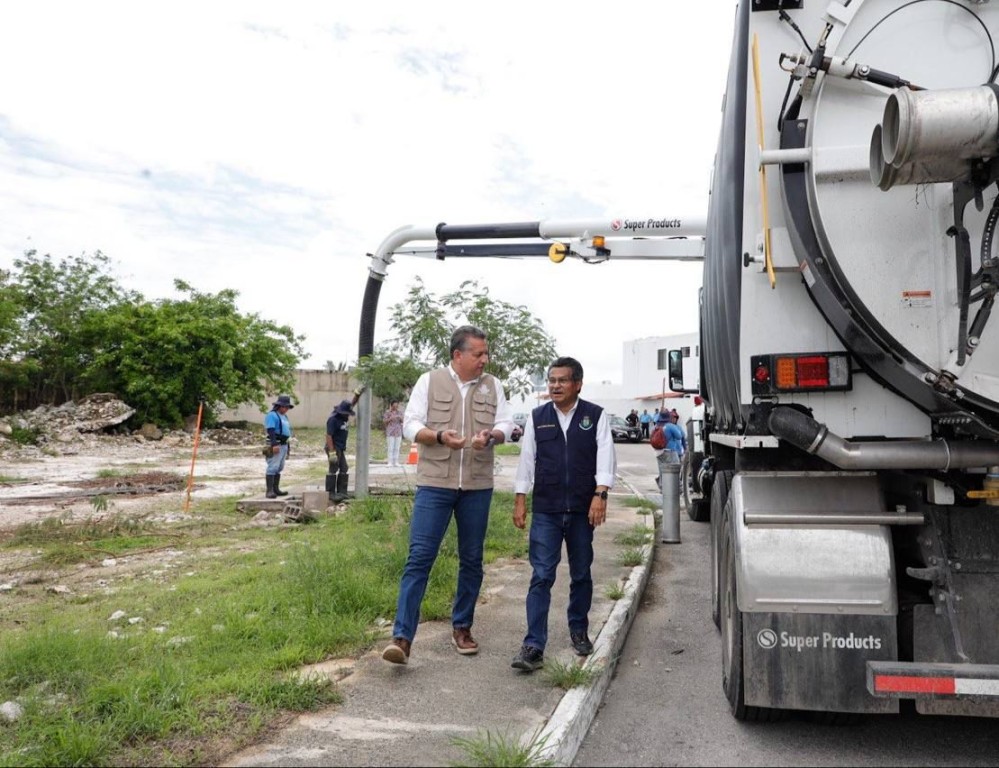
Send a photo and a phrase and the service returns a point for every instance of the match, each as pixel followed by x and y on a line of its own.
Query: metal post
pixel 669 482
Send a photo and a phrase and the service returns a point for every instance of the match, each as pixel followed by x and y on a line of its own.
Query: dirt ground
pixel 135 477
pixel 97 475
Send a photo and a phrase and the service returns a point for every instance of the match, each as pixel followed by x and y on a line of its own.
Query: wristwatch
pixel 601 494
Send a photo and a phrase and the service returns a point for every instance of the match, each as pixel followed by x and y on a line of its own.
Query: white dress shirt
pixel 606 456
pixel 419 404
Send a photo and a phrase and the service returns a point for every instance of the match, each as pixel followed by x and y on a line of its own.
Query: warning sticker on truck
pixel 917 299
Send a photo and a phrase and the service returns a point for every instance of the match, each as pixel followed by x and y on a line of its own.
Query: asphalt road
pixel 665 705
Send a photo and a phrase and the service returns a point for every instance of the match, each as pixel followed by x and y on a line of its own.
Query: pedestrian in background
pixel 676 441
pixel 456 414
pixel 393 432
pixel 645 420
pixel 278 429
pixel 567 456
pixel 336 451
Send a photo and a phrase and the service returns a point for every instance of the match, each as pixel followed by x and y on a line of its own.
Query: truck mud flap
pixel 816 662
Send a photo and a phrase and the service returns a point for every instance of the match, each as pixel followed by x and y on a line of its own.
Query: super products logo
pixel 769 639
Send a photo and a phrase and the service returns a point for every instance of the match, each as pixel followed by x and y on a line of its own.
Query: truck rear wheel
pixel 698 509
pixel 719 498
pixel 731 627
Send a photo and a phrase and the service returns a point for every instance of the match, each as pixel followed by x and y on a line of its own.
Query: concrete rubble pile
pixel 100 419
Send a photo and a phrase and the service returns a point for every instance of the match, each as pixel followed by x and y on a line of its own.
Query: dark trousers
pixel 548 531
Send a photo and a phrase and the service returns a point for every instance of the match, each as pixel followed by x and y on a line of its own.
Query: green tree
pixel 56 304
pixel 519 345
pixel 162 357
pixel 388 375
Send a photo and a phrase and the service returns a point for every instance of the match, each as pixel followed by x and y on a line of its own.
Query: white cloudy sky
pixel 267 147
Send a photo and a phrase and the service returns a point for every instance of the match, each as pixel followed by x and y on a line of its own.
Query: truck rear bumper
pixel 922 680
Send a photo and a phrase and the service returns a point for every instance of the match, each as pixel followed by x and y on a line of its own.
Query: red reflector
pixel 910 684
pixel 813 371
pixel 761 374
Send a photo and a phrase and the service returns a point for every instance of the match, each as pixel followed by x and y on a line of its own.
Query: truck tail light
pixel 826 371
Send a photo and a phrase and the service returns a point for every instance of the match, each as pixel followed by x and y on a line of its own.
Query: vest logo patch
pixel 586 424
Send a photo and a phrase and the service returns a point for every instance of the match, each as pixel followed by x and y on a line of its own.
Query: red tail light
pixel 773 374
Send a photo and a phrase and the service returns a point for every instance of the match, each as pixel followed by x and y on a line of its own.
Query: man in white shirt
pixel 456 415
pixel 567 455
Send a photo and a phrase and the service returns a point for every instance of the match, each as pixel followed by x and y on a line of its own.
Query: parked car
pixel 621 431
pixel 519 420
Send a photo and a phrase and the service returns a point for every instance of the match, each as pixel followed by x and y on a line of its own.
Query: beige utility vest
pixel 468 469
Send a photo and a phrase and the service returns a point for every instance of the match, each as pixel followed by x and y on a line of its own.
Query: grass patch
pixel 637 536
pixel 118 471
pixel 209 663
pixel 630 557
pixel 499 748
pixel 641 503
pixel 25 435
pixel 569 675
pixel 614 591
pixel 63 542
pixel 12 480
pixel 507 449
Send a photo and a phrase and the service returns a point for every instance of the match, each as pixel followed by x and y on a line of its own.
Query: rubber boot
pixel 277 486
pixel 270 486
pixel 341 487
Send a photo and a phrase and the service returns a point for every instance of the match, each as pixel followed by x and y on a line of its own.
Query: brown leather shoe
pixel 397 651
pixel 463 642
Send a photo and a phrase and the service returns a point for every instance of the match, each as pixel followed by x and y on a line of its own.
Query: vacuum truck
pixel 849 364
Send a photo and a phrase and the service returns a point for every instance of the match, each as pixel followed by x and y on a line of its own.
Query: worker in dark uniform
pixel 336 451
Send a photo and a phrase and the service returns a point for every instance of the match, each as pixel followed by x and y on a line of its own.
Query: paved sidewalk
pixel 410 714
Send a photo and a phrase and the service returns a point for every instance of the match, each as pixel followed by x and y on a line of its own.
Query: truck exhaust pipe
pixel 807 434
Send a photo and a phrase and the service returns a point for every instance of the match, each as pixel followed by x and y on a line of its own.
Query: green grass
pixel 507 449
pixel 210 663
pixel 12 479
pixel 499 748
pixel 61 542
pixel 644 505
pixel 636 536
pixel 119 471
pixel 630 557
pixel 569 675
pixel 614 591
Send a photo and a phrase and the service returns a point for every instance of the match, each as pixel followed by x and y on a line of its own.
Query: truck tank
pixel 850 363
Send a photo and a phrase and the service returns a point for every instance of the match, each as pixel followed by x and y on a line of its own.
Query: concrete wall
pixel 315 395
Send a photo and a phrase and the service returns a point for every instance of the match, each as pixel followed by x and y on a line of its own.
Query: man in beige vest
pixel 456 415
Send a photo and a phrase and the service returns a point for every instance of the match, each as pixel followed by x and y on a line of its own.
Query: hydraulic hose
pixel 812 437
pixel 365 347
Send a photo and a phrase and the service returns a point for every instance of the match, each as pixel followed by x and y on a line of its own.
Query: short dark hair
pixel 462 334
pixel 568 362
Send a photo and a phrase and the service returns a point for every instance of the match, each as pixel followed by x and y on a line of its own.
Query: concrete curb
pixel 562 735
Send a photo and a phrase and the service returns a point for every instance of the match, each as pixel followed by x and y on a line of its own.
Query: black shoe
pixel 529 659
pixel 581 643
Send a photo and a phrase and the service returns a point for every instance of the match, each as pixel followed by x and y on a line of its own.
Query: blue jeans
pixel 275 462
pixel 432 511
pixel 548 531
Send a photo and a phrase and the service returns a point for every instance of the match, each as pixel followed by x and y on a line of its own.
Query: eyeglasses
pixel 559 382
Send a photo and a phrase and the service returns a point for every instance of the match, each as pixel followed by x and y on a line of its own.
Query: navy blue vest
pixel 564 472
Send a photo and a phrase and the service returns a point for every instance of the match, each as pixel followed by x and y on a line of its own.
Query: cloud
pixel 241 145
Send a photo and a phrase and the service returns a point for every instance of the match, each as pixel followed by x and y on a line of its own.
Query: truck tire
pixel 698 509
pixel 719 498
pixel 731 627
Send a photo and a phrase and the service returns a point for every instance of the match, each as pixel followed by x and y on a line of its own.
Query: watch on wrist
pixel 440 435
pixel 601 494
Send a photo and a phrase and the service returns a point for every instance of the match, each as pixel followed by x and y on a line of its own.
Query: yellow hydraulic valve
pixel 557 252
